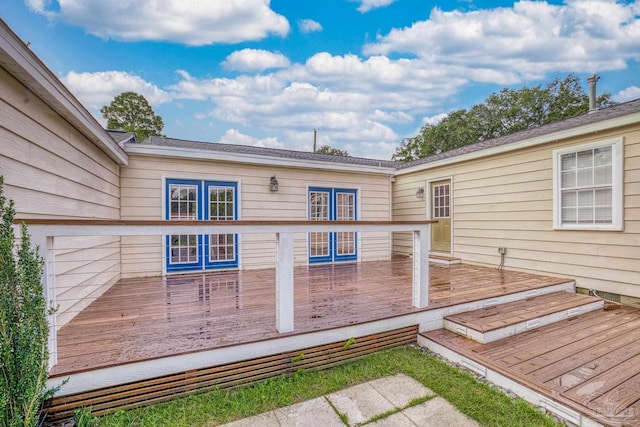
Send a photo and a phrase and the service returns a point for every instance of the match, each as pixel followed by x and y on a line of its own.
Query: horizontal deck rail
pixel 45 231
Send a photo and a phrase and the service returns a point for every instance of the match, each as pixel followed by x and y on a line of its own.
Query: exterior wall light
pixel 420 193
pixel 273 184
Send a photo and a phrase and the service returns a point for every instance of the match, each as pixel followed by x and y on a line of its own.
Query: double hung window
pixel 588 186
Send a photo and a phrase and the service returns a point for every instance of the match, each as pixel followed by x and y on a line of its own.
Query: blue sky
pixel 365 73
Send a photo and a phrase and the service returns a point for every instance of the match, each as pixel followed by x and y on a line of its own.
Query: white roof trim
pixel 27 68
pixel 191 153
pixel 530 142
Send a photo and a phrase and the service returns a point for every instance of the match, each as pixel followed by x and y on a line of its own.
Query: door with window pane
pixel 183 250
pixel 189 200
pixel 319 243
pixel 330 204
pixel 221 250
pixel 441 211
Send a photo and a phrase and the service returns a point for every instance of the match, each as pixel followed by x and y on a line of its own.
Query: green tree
pixel 502 113
pixel 24 329
pixel 327 149
pixel 131 112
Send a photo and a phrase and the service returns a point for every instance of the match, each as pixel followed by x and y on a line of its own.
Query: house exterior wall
pixel 506 200
pixel 143 194
pixel 51 170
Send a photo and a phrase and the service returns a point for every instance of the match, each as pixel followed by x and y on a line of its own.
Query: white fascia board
pixel 28 69
pixel 601 126
pixel 256 159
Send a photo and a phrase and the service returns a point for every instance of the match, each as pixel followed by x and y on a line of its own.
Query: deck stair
pixel 492 323
pixel 443 260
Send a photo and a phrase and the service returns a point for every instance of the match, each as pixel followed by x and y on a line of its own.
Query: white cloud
pixel 255 60
pixel 525 42
pixel 309 26
pixel 191 22
pixel 234 136
pixel 628 94
pixel 391 117
pixel 97 89
pixel 362 103
pixel 367 5
pixel 434 120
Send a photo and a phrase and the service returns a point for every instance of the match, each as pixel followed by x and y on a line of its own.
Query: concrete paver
pixel 400 389
pixel 438 412
pixel 363 402
pixel 312 413
pixel 360 403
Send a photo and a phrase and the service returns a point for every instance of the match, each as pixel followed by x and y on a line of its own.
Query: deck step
pixel 492 323
pixel 444 260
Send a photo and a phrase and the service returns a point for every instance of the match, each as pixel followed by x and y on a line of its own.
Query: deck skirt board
pixel 498 321
pixel 589 363
pixel 154 390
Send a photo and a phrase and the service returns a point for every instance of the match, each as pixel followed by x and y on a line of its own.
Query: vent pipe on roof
pixel 592 92
pixel 315 138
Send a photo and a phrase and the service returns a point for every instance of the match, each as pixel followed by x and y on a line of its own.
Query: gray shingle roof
pixel 271 152
pixel 618 110
pixel 612 112
pixel 121 136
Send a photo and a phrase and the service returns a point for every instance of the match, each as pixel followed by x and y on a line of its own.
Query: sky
pixel 365 74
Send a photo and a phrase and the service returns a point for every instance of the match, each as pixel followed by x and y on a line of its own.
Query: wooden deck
pixel 143 319
pixel 590 363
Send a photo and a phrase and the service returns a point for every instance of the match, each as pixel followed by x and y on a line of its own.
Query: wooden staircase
pixel 487 341
pixel 492 323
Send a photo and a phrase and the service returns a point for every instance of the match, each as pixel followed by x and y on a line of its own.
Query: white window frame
pixel 617 185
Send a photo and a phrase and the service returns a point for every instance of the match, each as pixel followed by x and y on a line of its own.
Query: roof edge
pixel 259 159
pixel 25 66
pixel 597 126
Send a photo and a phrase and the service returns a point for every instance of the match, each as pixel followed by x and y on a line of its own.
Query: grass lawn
pixel 477 400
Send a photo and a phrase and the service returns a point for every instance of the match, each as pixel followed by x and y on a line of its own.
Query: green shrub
pixel 23 325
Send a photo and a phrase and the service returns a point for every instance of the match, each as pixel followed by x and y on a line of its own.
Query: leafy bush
pixel 23 325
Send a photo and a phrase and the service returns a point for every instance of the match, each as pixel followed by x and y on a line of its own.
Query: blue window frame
pixel 332 204
pixel 197 200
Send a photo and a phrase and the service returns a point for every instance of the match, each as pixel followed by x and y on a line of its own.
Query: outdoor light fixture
pixel 273 184
pixel 420 192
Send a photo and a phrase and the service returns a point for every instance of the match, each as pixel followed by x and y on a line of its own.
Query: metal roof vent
pixel 592 92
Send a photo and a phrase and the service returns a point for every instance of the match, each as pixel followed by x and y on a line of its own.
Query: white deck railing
pixel 44 233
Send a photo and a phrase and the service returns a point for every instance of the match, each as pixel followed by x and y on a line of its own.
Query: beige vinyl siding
pixel 506 200
pixel 52 171
pixel 142 198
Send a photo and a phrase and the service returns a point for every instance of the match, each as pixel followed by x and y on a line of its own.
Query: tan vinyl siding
pixel 142 198
pixel 52 171
pixel 507 200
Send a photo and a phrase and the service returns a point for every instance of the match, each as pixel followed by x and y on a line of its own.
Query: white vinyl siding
pixel 588 186
pixel 51 170
pixel 507 200
pixel 142 195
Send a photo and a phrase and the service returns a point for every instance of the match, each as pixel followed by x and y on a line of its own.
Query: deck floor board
pixel 591 362
pixel 143 318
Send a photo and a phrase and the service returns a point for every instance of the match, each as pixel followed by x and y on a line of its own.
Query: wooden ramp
pixel 584 369
pixel 500 321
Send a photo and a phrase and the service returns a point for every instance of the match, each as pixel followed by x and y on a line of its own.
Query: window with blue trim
pixel 197 200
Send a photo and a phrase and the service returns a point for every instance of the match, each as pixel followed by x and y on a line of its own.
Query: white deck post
pixel 421 240
pixel 45 250
pixel 284 282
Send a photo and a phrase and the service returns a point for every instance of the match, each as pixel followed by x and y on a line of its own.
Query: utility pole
pixel 315 138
